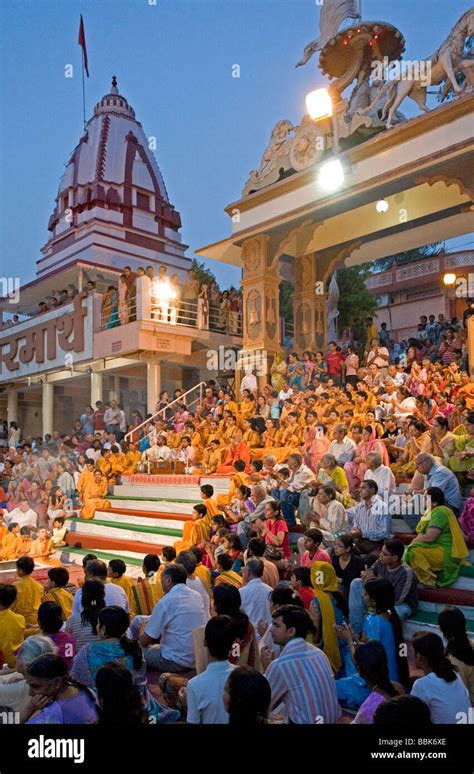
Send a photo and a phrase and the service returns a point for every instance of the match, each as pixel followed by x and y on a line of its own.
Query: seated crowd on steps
pixel 324 450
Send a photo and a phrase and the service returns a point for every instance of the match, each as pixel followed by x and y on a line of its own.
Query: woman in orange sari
pixel 94 496
pixel 356 468
pixel 196 531
pixel 316 445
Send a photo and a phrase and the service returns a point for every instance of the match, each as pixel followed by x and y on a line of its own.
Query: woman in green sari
pixel 438 552
pixel 462 461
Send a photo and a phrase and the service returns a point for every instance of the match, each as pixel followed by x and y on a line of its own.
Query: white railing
pixel 197 314
pixel 163 410
pixel 115 317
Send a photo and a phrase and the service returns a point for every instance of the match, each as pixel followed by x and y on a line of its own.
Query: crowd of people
pixel 242 626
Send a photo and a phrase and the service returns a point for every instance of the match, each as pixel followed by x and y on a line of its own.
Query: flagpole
pixel 83 92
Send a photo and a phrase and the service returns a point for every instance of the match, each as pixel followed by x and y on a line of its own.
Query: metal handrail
pixel 175 400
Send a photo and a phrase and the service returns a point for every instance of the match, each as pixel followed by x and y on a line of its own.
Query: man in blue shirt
pixel 275 409
pixel 86 421
pixel 441 477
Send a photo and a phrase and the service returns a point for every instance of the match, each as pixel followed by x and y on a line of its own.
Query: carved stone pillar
pixel 309 305
pixel 261 307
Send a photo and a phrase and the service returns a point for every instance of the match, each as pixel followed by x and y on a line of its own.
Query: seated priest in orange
pixel 95 496
pixel 132 458
pixel 208 499
pixel 11 542
pixel 42 546
pixel 238 451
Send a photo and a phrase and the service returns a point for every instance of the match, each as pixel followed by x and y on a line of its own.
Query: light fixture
pixel 319 104
pixel 331 175
pixel 449 279
pixel 382 205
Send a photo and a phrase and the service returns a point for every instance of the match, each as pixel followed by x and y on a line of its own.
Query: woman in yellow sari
pixel 331 473
pixel 325 612
pixel 94 496
pixel 462 461
pixel 419 441
pixel 196 531
pixel 278 371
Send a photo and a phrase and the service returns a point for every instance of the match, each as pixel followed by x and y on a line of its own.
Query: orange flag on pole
pixel 82 42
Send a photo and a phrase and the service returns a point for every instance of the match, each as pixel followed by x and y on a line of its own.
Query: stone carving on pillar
pixel 252 253
pixel 271 317
pixel 320 321
pixel 260 282
pixel 253 308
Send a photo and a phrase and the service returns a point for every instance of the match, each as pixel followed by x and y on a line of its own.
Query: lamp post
pixel 449 280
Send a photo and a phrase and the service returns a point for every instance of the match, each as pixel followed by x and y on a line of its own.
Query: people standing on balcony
pixel 123 303
pixel 224 312
pixel 175 299
pixel 110 307
pixel 190 297
pixel 131 297
pixel 163 294
pixel 234 311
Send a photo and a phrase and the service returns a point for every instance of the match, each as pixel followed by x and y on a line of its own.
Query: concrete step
pixel 186 494
pixel 93 539
pixel 144 518
pixel 153 504
pixel 435 603
pixel 123 532
pixel 427 622
pixel 133 560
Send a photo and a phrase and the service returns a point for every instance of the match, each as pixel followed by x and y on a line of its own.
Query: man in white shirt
pixel 285 392
pixel 379 473
pixel 187 560
pixel 205 692
pixel 288 492
pixel 114 595
pixel 158 451
pixel 370 519
pixel 172 621
pixel 94 452
pixel 342 447
pixel 112 419
pixel 255 593
pixel 249 382
pixel 22 515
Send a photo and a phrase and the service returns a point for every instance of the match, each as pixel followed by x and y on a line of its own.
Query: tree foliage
pixel 355 299
pixel 202 273
pixel 286 301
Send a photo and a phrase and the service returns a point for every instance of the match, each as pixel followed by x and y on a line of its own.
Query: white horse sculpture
pixel 445 63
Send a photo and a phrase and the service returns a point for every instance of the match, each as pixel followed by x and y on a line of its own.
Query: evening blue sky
pixel 173 61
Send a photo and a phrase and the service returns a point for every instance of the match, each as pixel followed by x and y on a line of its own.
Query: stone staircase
pixel 146 517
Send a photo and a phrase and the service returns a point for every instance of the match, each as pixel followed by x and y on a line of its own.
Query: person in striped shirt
pixel 301 677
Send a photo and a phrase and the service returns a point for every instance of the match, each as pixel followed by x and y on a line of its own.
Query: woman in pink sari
pixel 316 445
pixel 355 469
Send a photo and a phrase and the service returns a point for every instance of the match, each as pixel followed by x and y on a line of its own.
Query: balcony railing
pixel 146 307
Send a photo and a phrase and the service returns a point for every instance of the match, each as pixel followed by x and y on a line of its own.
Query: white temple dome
pixel 112 208
pixel 112 157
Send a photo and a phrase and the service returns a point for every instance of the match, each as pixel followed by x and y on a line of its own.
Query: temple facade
pixel 111 211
